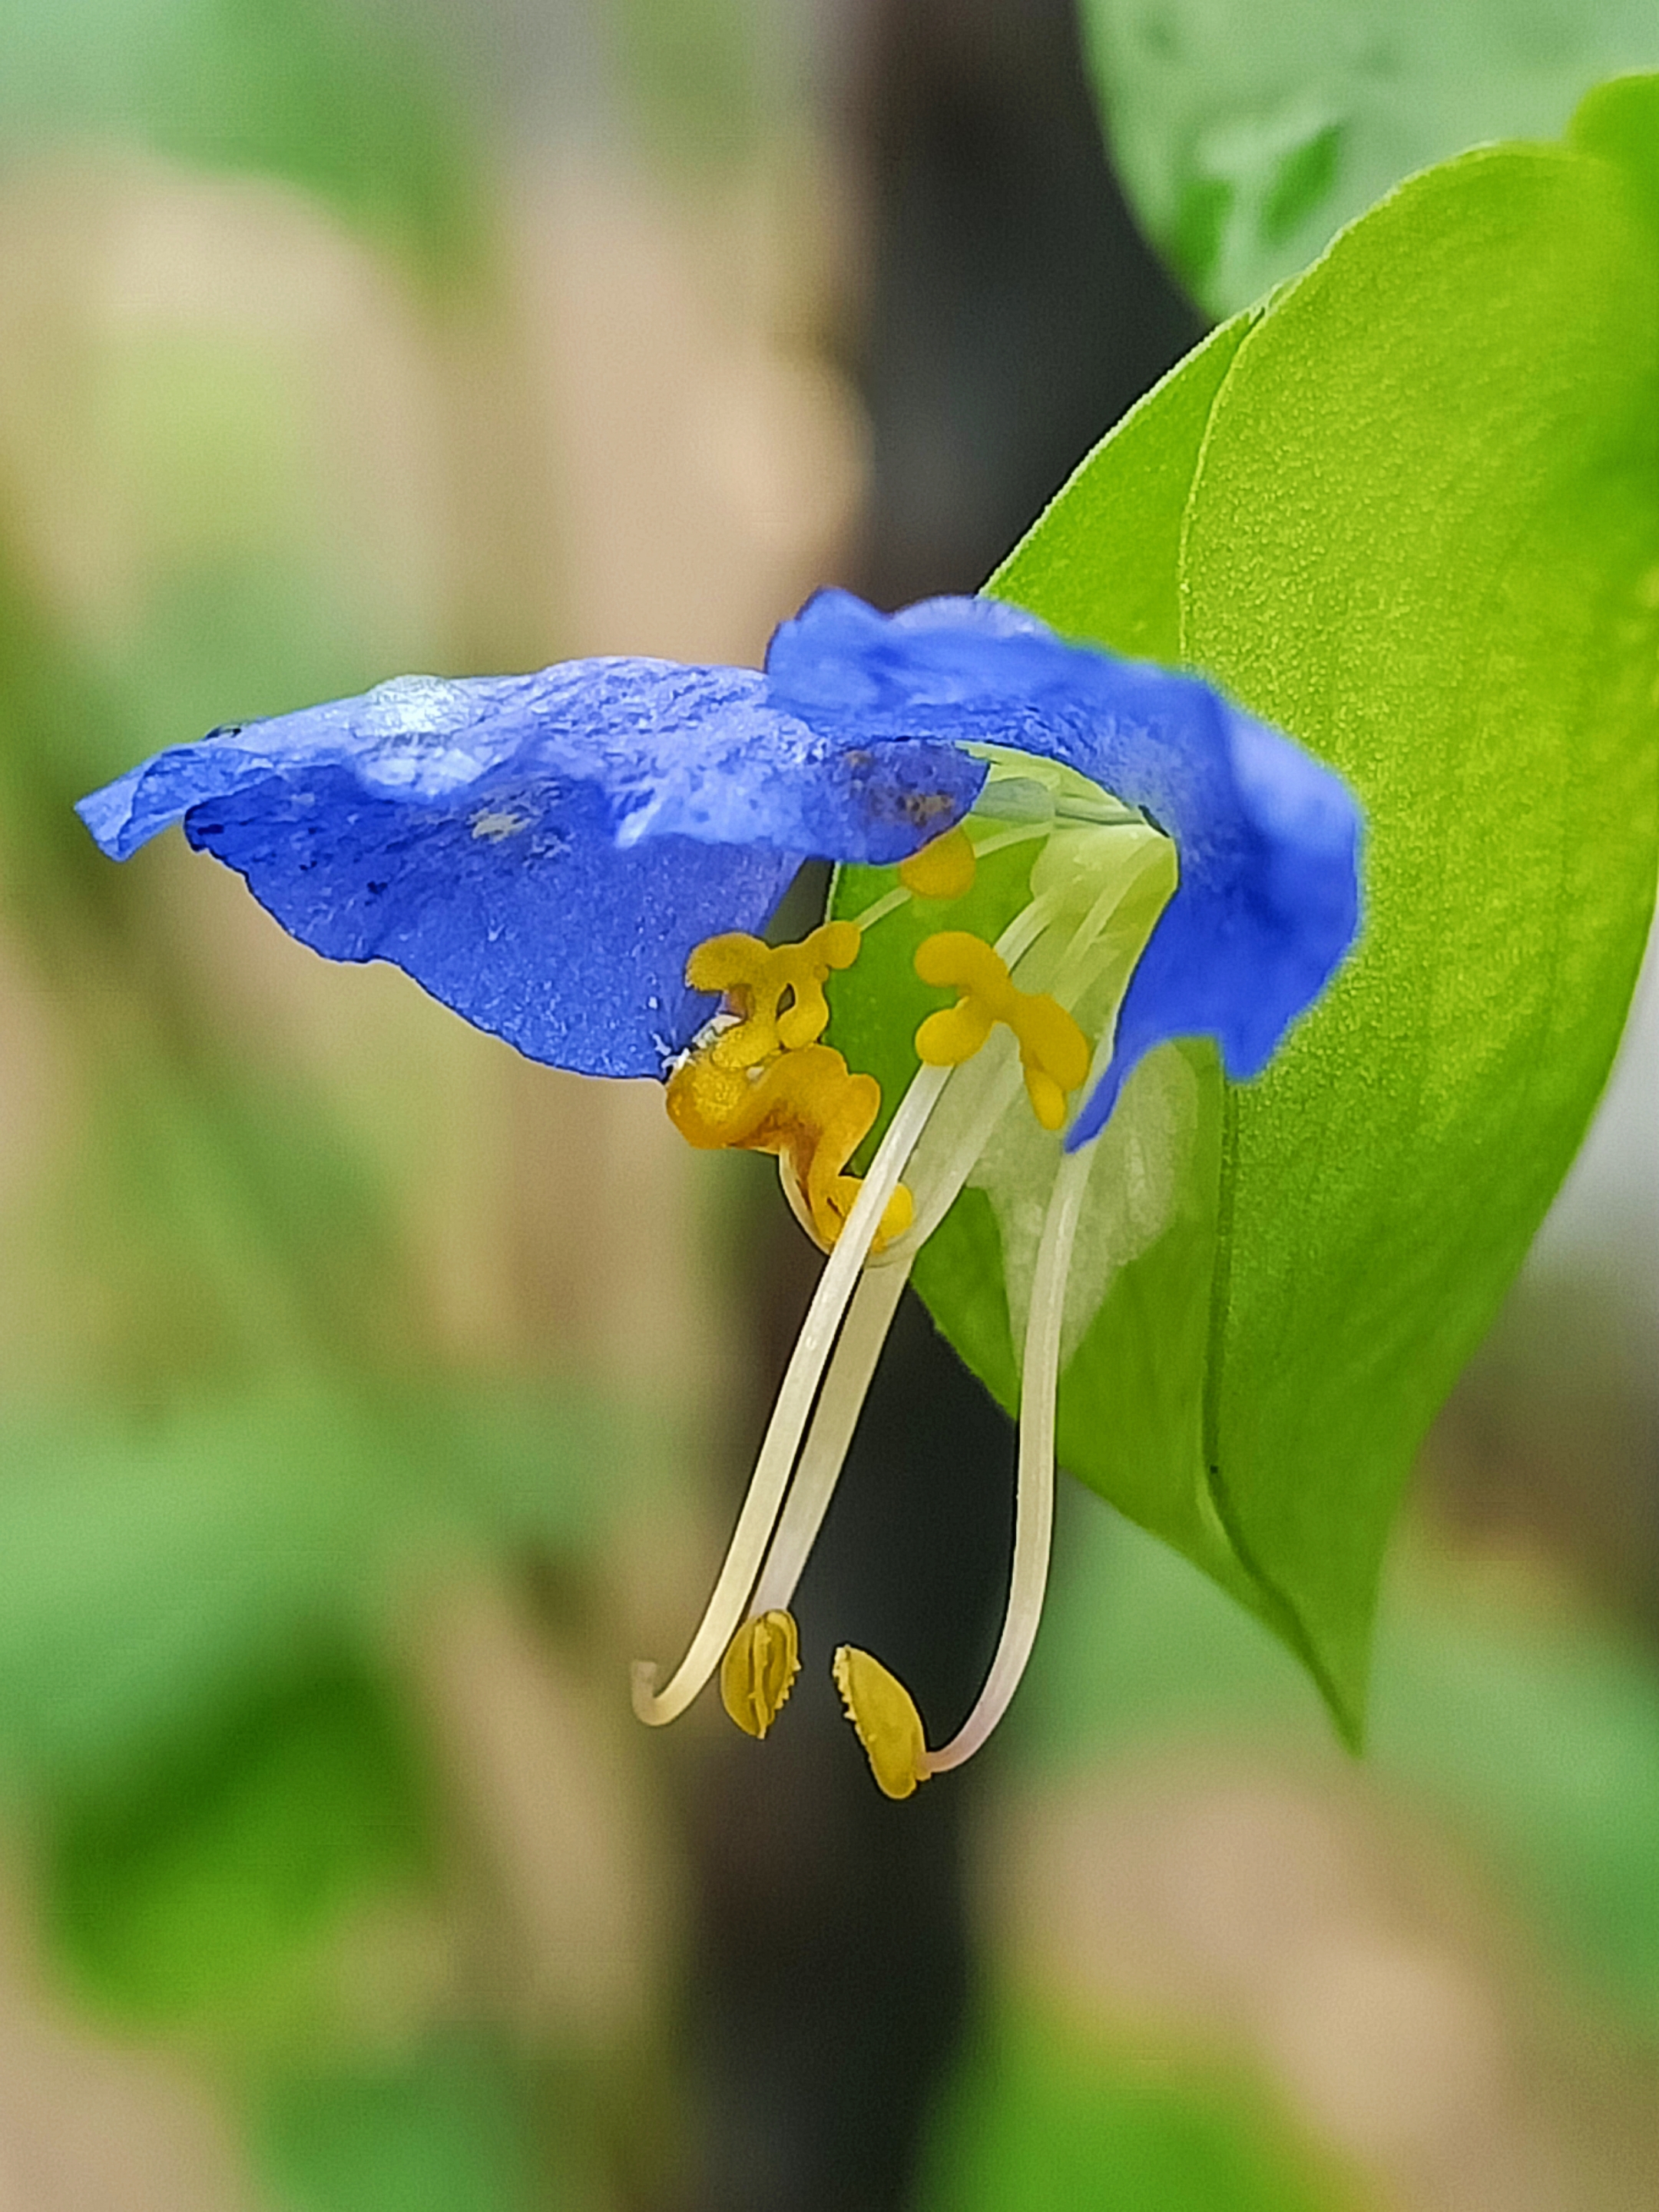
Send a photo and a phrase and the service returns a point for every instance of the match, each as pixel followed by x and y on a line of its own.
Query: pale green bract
pixel 1248 130
pixel 1410 514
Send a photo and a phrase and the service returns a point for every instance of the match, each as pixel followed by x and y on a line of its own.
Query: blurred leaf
pixel 1041 2118
pixel 1534 1732
pixel 1421 537
pixel 1249 131
pixel 230 1231
pixel 320 92
pixel 49 878
pixel 1539 1734
pixel 194 1882
pixel 137 1574
pixel 444 2132
pixel 140 1571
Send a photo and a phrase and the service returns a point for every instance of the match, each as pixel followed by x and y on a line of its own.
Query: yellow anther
pixel 884 1714
pixel 759 1669
pixel 943 870
pixel 776 990
pixel 806 1108
pixel 1053 1050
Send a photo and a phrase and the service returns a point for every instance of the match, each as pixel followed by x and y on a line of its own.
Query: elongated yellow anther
pixel 884 1715
pixel 943 870
pixel 775 990
pixel 805 1107
pixel 1053 1050
pixel 759 1669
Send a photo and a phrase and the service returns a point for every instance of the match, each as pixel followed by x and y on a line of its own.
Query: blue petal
pixel 1268 899
pixel 541 852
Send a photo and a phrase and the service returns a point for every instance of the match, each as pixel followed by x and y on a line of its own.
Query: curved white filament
pixel 868 1319
pixel 1033 1506
pixel 728 1603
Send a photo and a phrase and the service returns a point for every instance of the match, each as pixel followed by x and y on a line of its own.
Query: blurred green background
pixel 369 1398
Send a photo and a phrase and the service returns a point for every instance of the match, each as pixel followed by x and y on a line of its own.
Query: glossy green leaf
pixel 1413 516
pixel 1102 564
pixel 1424 538
pixel 1249 131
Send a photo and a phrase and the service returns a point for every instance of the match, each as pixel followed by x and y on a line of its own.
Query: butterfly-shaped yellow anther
pixel 775 990
pixel 1053 1050
pixel 806 1108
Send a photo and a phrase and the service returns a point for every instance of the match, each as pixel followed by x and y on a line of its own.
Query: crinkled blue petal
pixel 1268 898
pixel 541 852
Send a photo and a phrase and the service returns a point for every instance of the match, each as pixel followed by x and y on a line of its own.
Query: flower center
pixel 759 1078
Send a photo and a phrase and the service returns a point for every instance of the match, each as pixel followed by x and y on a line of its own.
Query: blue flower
pixel 579 860
pixel 468 830
pixel 1268 902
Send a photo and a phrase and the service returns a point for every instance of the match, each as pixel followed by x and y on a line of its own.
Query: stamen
pixel 806 1108
pixel 756 979
pixel 759 1669
pixel 868 1319
pixel 1034 1507
pixel 729 1601
pixel 994 1089
pixel 1024 833
pixel 804 1116
pixel 1053 1050
pixel 884 1714
pixel 943 870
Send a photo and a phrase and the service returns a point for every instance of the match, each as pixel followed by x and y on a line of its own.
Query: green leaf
pixel 1101 563
pixel 1105 557
pixel 1423 538
pixel 1248 131
pixel 1410 515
